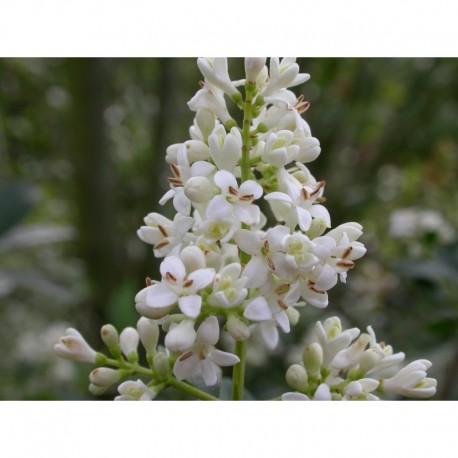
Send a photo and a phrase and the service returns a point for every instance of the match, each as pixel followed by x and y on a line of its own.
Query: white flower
pixel 181 174
pixel 203 125
pixel 299 204
pixel 163 234
pixel 283 74
pixel 265 250
pixel 235 200
pixel 228 287
pixel 215 70
pixel 203 357
pixel 279 149
pixel 175 287
pixel 211 98
pixel 412 381
pixel 222 230
pixel 225 149
pixel 361 390
pixel 72 346
pixel 309 147
pixel 135 391
pixel 180 336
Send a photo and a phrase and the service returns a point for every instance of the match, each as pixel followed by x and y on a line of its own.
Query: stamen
pixel 161 245
pixel 345 264
pixel 270 264
pixel 247 197
pixel 162 230
pixel 175 170
pixel 304 193
pixel 282 289
pixel 170 277
pixel 266 246
pixel 233 191
pixel 188 283
pixel 148 281
pixel 175 181
pixel 201 84
pixel 202 355
pixel 281 304
pixel 319 185
pixel 347 252
pixel 186 355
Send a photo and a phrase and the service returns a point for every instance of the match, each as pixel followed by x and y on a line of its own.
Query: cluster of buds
pixel 347 365
pixel 222 266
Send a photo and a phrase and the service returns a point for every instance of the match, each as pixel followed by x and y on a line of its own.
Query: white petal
pixel 303 218
pixel 224 180
pixel 294 397
pixel 186 365
pixel 181 336
pixel 282 319
pixel 190 305
pixel 167 196
pixel 182 204
pixel 269 334
pixel 256 271
pixel 258 310
pixel 218 208
pixel 208 332
pixel 222 358
pixel 320 212
pixel 279 196
pixel 201 169
pixel 248 214
pixel 159 296
pixel 208 372
pixel 201 278
pixel 248 241
pixel 322 393
pixel 173 265
pixel 250 188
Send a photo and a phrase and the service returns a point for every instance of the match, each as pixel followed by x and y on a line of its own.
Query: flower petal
pixel 201 278
pixel 190 305
pixel 208 372
pixel 173 265
pixel 159 296
pixel 208 332
pixel 186 365
pixel 222 358
pixel 224 180
pixel 218 208
pixel 258 310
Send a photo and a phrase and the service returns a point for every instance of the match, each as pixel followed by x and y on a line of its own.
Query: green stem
pixel 189 389
pixel 238 374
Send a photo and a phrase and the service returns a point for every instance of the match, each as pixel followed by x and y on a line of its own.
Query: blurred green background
pixel 82 147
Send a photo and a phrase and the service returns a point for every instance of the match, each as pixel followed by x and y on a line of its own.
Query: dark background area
pixel 82 148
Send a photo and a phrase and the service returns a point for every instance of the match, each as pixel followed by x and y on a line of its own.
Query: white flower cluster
pixel 347 365
pixel 222 266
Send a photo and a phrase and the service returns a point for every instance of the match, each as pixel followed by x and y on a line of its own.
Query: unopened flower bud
pixel 368 360
pixel 74 347
pixel 313 358
pixel 199 189
pixel 104 376
pixel 129 343
pixel 193 258
pixel 110 337
pixel 148 332
pixel 253 66
pixel 317 228
pixel 293 315
pixel 206 121
pixel 237 328
pixel 296 377
pixel 97 390
pixel 161 365
pixel 135 391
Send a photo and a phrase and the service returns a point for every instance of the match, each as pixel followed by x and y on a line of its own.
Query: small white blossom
pixel 135 391
pixel 74 347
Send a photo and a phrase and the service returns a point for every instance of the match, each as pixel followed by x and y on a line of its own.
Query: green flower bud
pixel 262 128
pixel 161 365
pixel 237 328
pixel 317 228
pixel 313 358
pixel 293 315
pixel 228 125
pixel 110 337
pixel 296 377
pixel 97 390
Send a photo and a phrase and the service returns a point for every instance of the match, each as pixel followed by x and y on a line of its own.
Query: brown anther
pixel 347 252
pixel 161 245
pixel 233 191
pixel 170 277
pixel 318 188
pixel 162 230
pixel 281 304
pixel 312 288
pixel 175 181
pixel 247 197
pixel 201 84
pixel 320 200
pixel 148 281
pixel 186 356
pixel 188 283
pixel 345 264
pixel 202 355
pixel 382 344
pixel 266 246
pixel 175 170
pixel 270 264
pixel 282 289
pixel 304 193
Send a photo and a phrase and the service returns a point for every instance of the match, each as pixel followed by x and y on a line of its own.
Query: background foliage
pixel 82 147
